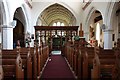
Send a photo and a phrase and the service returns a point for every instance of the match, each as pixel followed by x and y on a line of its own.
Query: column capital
pixel 7 26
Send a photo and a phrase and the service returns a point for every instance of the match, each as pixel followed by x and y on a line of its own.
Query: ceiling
pixel 55 13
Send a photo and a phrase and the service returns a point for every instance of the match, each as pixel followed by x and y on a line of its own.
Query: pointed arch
pixel 56 12
pixel 39 11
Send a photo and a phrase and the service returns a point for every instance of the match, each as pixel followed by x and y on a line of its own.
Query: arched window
pixel 62 24
pixel 58 24
pixel 54 24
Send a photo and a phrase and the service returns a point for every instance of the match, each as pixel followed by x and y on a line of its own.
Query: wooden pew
pixel 96 68
pixel 107 63
pixel 34 59
pixel 84 65
pixel 102 69
pixel 38 62
pixel 13 70
pixel 1 72
pixel 70 54
pixel 29 57
pixel 26 59
pixel 103 54
pixel 82 62
pixel 80 67
pixel 74 57
pixel 107 59
pixel 117 54
pixel 12 54
pixel 86 60
pixel 29 66
pixel 34 62
pixel 19 70
pixel 40 55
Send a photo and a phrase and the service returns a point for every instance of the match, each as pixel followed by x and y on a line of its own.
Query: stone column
pixel 7 37
pixel 108 43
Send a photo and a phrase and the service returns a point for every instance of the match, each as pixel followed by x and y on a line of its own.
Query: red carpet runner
pixel 57 68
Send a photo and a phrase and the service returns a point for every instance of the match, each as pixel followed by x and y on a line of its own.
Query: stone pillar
pixel 108 44
pixel 7 37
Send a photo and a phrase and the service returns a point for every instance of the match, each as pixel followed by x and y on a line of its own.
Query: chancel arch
pixel 56 15
pixel 56 12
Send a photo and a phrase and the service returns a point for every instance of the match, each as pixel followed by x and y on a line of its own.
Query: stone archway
pixel 56 12
pixel 115 20
pixel 19 30
pixel 94 26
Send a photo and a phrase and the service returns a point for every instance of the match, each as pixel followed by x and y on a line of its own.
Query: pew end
pixel 95 72
pixel 19 70
pixel 1 72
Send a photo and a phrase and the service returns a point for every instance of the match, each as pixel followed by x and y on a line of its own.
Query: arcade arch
pixel 19 30
pixel 115 21
pixel 95 31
